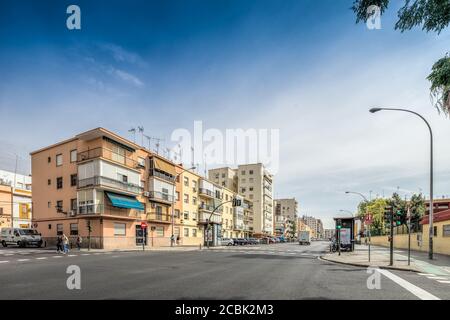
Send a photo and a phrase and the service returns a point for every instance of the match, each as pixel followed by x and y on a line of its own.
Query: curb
pixel 367 266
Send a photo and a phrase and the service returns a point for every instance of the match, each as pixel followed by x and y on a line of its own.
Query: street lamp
pixel 365 199
pixel 173 201
pixel 348 211
pixel 431 231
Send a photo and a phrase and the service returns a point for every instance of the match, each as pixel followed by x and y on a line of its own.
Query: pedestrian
pixel 178 239
pixel 172 239
pixel 65 243
pixel 59 242
pixel 79 240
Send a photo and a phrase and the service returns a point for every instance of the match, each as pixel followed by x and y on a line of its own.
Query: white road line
pixel 86 254
pixel 442 281
pixel 21 260
pixel 72 255
pixel 427 274
pixel 438 278
pixel 4 261
pixel 41 258
pixel 415 290
pixel 56 256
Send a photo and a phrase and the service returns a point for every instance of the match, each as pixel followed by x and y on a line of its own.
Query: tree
pixel 376 208
pixel 432 15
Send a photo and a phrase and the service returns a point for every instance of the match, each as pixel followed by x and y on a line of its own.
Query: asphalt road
pixel 278 271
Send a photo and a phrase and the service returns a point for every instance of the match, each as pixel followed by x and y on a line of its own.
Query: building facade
pixel 15 197
pixel 285 217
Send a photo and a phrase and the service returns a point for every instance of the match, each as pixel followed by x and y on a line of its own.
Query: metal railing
pixel 208 207
pixel 108 182
pixel 157 195
pixel 203 217
pixel 100 209
pixel 206 192
pixel 161 175
pixel 107 154
pixel 157 216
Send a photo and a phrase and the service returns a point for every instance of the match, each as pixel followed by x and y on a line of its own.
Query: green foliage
pixel 432 15
pixel 440 84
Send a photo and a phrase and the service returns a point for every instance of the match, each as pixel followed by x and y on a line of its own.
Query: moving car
pixel 227 242
pixel 304 238
pixel 20 237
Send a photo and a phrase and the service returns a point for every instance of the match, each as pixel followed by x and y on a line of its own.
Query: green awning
pixel 121 201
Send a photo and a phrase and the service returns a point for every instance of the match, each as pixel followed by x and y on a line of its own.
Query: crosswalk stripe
pixel 4 261
pixel 21 260
pixel 41 258
pixel 442 281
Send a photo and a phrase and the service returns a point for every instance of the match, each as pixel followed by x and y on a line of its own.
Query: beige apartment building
pixel 101 185
pixel 285 217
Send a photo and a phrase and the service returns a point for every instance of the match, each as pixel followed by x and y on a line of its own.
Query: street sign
pixel 368 219
pixel 143 225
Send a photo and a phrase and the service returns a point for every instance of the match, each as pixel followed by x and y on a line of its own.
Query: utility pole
pixel 13 188
pixel 409 235
pixel 391 244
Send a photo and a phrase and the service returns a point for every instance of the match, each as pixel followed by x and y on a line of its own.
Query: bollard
pixel 200 246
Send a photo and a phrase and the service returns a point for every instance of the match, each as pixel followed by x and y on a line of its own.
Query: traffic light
pixel 237 202
pixel 399 217
pixel 89 227
pixel 338 224
pixel 388 211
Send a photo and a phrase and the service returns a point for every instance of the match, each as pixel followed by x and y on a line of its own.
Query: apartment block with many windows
pixel 285 217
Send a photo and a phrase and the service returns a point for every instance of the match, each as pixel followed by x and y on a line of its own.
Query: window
pixel 186 198
pixel 186 232
pixel 165 193
pixel 1 211
pixel 23 210
pixel 141 162
pixel 186 181
pixel 251 180
pixel 74 229
pixel 250 172
pixel 194 200
pixel 177 213
pixel 242 190
pixel 49 181
pixel 59 229
pixel 176 231
pixel 73 155
pixel 223 175
pixel 59 183
pixel 73 204
pixel 73 180
pixel 217 176
pixel 435 231
pixel 226 197
pixel 59 160
pixel 250 196
pixel 194 232
pixel 119 229
pixel 250 189
pixel 186 215
pixel 159 231
pixel 49 159
pixel 223 183
pixel 177 196
pixel 59 205
pixel 122 177
pixel 446 230
pixel 194 185
pixel 49 204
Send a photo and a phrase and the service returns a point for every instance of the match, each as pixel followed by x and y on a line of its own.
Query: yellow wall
pixel 440 244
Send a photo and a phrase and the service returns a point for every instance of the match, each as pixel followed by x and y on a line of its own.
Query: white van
pixel 20 237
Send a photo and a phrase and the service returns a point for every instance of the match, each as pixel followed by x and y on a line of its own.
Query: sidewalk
pixel 137 248
pixel 380 258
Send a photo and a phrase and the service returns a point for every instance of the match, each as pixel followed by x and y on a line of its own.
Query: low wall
pixel 419 242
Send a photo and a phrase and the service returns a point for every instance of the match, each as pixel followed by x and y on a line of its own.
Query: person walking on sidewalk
pixel 178 240
pixel 79 242
pixel 172 240
pixel 65 243
pixel 59 247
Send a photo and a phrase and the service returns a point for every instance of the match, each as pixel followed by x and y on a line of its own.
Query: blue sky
pixel 303 67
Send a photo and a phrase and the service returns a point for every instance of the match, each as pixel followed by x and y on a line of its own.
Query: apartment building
pixel 248 218
pixel 328 233
pixel 315 224
pixel 254 183
pixel 101 185
pixel 210 211
pixel 285 217
pixel 302 226
pixel 15 198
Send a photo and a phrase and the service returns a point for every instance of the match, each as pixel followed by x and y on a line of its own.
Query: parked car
pixel 238 241
pixel 244 241
pixel 252 241
pixel 271 240
pixel 227 242
pixel 20 237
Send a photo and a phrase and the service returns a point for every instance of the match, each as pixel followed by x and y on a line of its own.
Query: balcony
pixel 204 216
pixel 107 154
pixel 162 175
pixel 102 210
pixel 99 181
pixel 159 217
pixel 206 192
pixel 209 208
pixel 160 197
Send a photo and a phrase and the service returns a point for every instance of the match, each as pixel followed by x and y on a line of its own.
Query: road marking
pixel 442 281
pixel 41 258
pixel 4 261
pixel 72 255
pixel 56 256
pixel 21 260
pixel 86 254
pixel 415 290
pixel 437 278
pixel 427 274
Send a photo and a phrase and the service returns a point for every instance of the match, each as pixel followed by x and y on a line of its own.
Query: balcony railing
pixel 165 176
pixel 206 192
pixel 108 182
pixel 107 154
pixel 160 217
pixel 210 208
pixel 157 195
pixel 204 216
pixel 100 209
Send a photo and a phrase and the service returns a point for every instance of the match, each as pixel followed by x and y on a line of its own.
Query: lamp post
pixel 173 201
pixel 431 231
pixel 365 199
